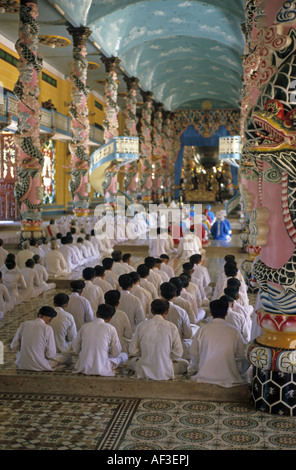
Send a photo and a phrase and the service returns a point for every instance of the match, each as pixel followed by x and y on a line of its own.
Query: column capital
pixel 146 95
pixel 110 63
pixel 131 82
pixel 79 34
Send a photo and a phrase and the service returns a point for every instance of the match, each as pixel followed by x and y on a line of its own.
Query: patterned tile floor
pixel 36 422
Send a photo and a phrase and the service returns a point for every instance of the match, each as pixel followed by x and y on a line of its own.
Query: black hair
pixel 29 263
pixel 105 311
pixel 231 291
pixel 218 308
pixel 230 269
pixel 158 260
pixel 164 256
pixel 187 266
pixel 143 270
pixel 159 306
pixel 36 258
pixel 125 281
pixel 226 299
pixel 149 261
pixel 135 276
pixel 79 240
pixel 233 281
pixel 107 263
pixel 112 297
pixel 229 258
pixel 126 256
pixel 64 240
pixel 33 242
pixel 168 290
pixel 116 255
pixel 99 270
pixel 77 286
pixel 178 283
pixel 88 273
pixel 196 258
pixel 47 311
pixel 10 263
pixel 60 299
pixel 185 279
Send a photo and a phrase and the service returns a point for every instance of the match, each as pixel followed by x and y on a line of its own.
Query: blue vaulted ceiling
pixel 185 52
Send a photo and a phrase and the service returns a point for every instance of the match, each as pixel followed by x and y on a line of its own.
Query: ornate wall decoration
pixel 258 227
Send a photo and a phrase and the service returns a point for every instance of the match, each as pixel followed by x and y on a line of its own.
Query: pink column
pixel 130 114
pixel 146 147
pixel 80 161
pixel 28 188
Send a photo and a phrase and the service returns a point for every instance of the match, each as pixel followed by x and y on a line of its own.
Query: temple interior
pixel 115 117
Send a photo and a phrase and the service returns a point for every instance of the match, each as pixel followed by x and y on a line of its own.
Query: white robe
pixel 119 268
pixel 150 287
pixel 94 295
pixel 6 302
pixel 3 255
pixel 80 308
pixel 14 281
pixel 214 348
pixel 33 285
pixel 112 278
pixel 35 345
pixel 156 343
pixel 103 284
pixel 98 346
pixel 22 256
pixel 158 246
pixel 43 278
pixel 167 269
pixel 64 329
pixel 144 296
pixel 132 306
pixel 70 257
pixel 179 317
pixel 55 264
pixel 123 327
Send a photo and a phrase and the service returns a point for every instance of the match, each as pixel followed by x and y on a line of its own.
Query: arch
pixel 191 137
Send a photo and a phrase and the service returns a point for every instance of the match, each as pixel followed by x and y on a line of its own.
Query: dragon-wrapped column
pixel 28 187
pixel 130 114
pixel 110 125
pixel 168 159
pixel 80 159
pixel 268 173
pixel 146 147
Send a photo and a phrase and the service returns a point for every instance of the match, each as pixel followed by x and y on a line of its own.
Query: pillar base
pixel 80 212
pixel 31 229
pixel 274 392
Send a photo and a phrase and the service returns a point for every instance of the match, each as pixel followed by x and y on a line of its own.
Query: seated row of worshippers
pixel 155 325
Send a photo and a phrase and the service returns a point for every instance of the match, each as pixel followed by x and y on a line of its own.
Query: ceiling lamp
pixel 230 149
pixel 53 41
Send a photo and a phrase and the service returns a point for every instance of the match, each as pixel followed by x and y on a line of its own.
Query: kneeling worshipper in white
pixel 63 324
pixel 119 320
pixel 98 345
pixel 13 280
pixel 54 262
pixel 217 350
pixel 3 253
pixel 159 244
pixel 6 303
pixel 129 303
pixel 91 291
pixel 99 279
pixel 42 275
pixel 32 281
pixel 35 344
pixel 69 254
pixel 165 266
pixel 178 316
pixel 78 305
pixel 156 349
pixel 235 318
pixel 143 295
pixel 188 245
pixel 24 254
